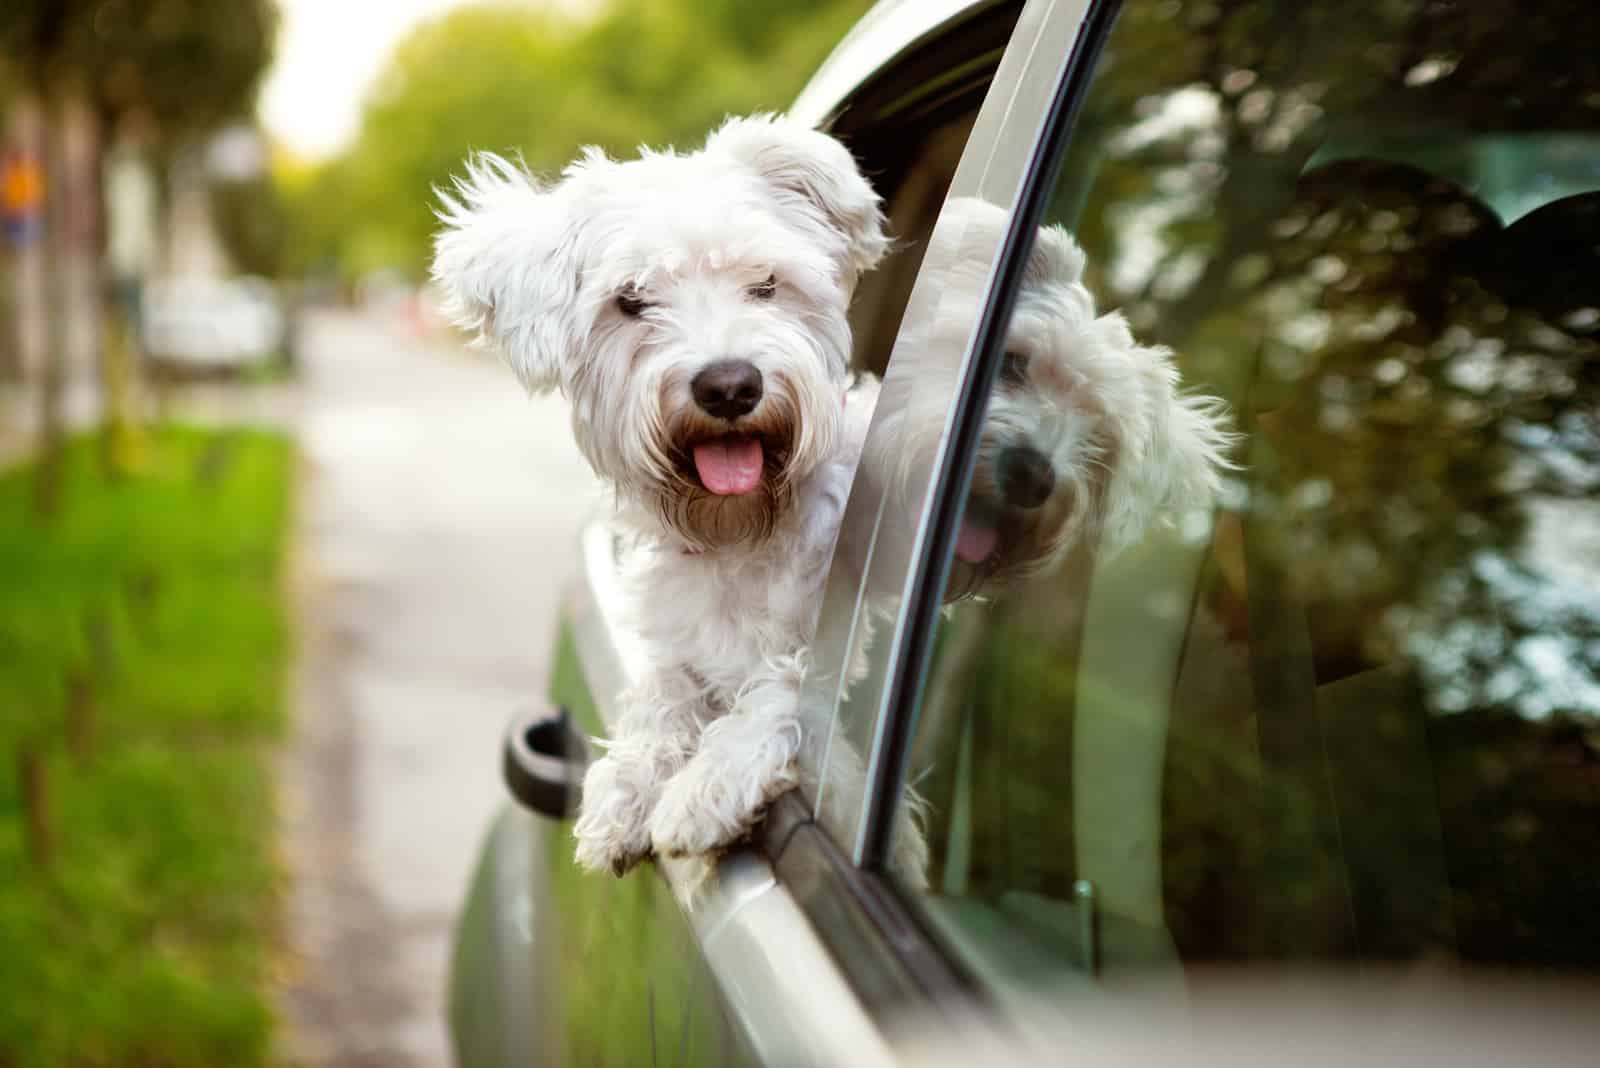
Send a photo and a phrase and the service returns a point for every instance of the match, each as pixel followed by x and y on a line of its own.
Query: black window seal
pixel 882 949
pixel 952 480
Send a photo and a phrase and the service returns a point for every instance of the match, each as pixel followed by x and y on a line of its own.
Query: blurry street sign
pixel 21 196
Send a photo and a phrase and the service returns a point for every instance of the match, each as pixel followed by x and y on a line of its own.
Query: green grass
pixel 146 938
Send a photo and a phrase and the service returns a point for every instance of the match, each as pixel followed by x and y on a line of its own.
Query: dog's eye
pixel 1014 368
pixel 766 290
pixel 629 303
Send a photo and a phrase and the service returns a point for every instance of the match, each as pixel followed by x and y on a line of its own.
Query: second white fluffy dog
pixel 691 307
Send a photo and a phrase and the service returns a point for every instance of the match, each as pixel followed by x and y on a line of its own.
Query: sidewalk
pixel 438 517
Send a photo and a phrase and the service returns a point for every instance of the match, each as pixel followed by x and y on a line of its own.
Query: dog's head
pixel 690 306
pixel 1087 433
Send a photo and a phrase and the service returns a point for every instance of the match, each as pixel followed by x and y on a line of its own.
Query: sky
pixel 329 53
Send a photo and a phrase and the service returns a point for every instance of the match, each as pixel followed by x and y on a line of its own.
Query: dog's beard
pixel 705 520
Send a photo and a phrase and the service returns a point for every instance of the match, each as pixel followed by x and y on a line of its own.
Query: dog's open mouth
pixel 729 465
pixel 984 532
pixel 977 540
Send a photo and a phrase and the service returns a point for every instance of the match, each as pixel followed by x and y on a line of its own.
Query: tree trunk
pixel 127 216
pixel 33 780
pixel 51 310
pixel 85 296
pixel 71 256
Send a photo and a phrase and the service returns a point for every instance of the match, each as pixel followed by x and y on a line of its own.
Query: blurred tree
pixel 541 85
pixel 84 65
pixel 147 55
pixel 251 222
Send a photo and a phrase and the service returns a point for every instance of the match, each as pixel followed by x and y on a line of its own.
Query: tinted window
pixel 1317 679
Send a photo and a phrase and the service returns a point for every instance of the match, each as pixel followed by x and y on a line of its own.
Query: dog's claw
pixel 600 853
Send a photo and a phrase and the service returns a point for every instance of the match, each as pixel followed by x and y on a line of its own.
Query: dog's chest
pixel 728 617
pixel 732 613
pixel 718 605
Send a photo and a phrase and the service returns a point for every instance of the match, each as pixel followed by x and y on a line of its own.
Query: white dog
pixel 691 307
pixel 1087 434
pixel 1088 442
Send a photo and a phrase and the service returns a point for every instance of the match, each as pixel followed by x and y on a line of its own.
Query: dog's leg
pixel 745 759
pixel 656 733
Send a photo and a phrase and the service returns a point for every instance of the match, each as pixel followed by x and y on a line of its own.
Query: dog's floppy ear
pixel 504 259
pixel 815 176
pixel 1172 455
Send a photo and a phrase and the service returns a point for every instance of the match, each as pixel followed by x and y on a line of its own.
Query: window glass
pixel 908 129
pixel 937 276
pixel 1273 626
pixel 911 207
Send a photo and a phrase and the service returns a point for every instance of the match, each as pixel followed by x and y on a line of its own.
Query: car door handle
pixel 544 760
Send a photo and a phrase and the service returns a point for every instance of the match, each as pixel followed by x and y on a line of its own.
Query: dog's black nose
pixel 727 389
pixel 1025 475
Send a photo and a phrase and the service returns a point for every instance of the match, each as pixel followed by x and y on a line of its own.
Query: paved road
pixel 438 516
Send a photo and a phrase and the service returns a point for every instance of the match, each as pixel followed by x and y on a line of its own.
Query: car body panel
pixel 502 979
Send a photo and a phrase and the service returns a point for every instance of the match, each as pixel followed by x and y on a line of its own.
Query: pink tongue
pixel 730 465
pixel 976 544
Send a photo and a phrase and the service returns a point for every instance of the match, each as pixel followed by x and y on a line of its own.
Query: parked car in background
pixel 1344 726
pixel 212 325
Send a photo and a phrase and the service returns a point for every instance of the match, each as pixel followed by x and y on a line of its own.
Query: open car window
pixel 1316 682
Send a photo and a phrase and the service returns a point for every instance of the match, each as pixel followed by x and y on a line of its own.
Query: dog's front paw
pixel 688 822
pixel 708 806
pixel 613 849
pixel 613 828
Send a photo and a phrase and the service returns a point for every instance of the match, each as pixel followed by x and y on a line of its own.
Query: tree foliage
pixel 540 85
pixel 188 63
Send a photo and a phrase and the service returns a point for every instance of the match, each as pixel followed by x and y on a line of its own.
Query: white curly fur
pixel 723 589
